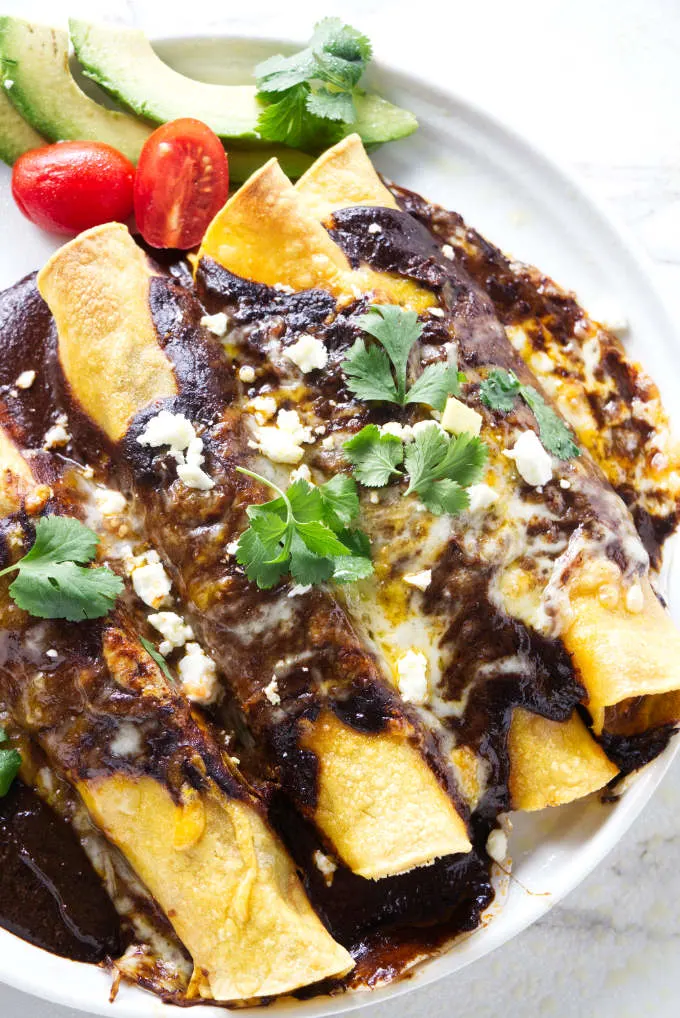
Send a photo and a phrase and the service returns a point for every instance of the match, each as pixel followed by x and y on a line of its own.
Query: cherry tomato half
pixel 182 181
pixel 72 185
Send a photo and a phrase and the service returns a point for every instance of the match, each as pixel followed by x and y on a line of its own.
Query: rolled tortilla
pixel 553 762
pixel 377 834
pixel 550 762
pixel 624 646
pixel 201 844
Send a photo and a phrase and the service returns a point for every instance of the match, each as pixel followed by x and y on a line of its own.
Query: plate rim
pixel 138 1003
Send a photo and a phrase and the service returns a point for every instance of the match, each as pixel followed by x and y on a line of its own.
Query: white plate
pixel 464 160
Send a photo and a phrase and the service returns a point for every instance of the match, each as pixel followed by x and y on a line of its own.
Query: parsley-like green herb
pixel 310 96
pixel 555 434
pixel 157 657
pixel 439 467
pixel 376 457
pixel 499 390
pixel 53 581
pixel 305 532
pixel 379 372
pixel 10 762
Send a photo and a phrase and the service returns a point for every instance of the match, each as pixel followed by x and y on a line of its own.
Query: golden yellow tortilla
pixel 620 653
pixel 553 762
pixel 232 893
pixel 264 233
pixel 16 477
pixel 341 177
pixel 97 288
pixel 267 233
pixel 378 801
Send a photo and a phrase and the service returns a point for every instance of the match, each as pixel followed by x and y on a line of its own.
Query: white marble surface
pixel 597 84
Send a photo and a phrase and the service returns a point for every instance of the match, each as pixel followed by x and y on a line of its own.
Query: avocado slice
pixel 122 61
pixel 35 59
pixel 16 136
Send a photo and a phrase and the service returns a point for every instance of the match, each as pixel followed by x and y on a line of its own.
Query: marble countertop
pixel 598 86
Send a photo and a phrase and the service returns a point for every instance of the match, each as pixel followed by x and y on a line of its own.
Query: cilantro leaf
pixel 288 120
pixel 157 657
pixel 309 96
pixel 62 539
pixel 64 590
pixel 555 434
pixel 369 370
pixel 341 41
pixel 351 568
pixel 10 762
pixel 444 496
pixel 306 567
pixel 303 532
pixel 340 502
pixel 440 467
pixel 397 330
pixel 320 539
pixel 375 457
pixel 499 390
pixel 259 560
pixel 435 385
pixel 279 73
pixel 368 373
pixel 52 584
pixel 332 105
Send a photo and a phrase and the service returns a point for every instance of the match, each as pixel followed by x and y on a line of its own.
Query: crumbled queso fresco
pixel 149 579
pixel 308 353
pixel 531 459
pixel 217 324
pixel 108 501
pixel 281 443
pixel 412 676
pixel 198 675
pixel 481 497
pixel 420 580
pixel 186 447
pixel 271 691
pixel 25 380
pixel 57 435
pixel 173 629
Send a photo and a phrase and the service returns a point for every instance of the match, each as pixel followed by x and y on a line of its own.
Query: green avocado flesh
pixel 35 59
pixel 40 101
pixel 16 136
pixel 122 61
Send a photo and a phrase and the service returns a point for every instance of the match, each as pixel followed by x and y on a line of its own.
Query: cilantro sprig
pixel 305 532
pixel 439 467
pixel 379 372
pixel 10 762
pixel 499 390
pixel 310 96
pixel 53 580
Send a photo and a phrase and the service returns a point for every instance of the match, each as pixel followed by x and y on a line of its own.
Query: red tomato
pixel 182 181
pixel 70 186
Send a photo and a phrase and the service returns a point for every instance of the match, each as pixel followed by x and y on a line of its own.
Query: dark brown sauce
pixel 49 893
